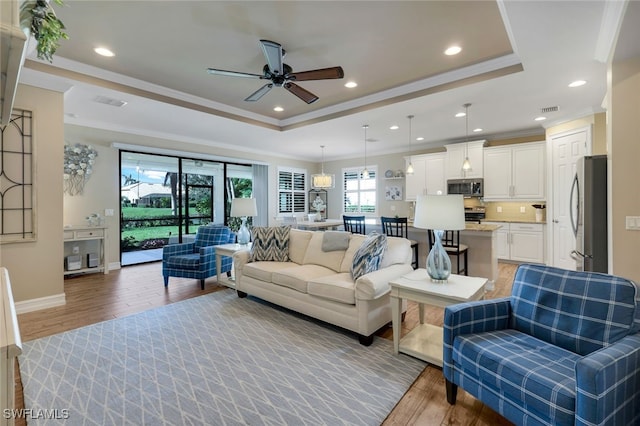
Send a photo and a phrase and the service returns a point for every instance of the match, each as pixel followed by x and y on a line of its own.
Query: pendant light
pixel 466 164
pixel 322 181
pixel 410 166
pixel 365 172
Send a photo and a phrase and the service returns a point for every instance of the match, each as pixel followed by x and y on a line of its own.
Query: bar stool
pixel 354 224
pixel 398 227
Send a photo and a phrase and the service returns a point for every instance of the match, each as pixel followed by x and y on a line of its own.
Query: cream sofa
pixel 319 284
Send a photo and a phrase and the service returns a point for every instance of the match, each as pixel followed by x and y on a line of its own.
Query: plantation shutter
pixel 292 193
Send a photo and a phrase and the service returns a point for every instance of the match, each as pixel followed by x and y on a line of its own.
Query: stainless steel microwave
pixel 466 187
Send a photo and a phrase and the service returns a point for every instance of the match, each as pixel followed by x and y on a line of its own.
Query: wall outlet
pixel 75 250
pixel 499 209
pixel 632 223
pixel 522 210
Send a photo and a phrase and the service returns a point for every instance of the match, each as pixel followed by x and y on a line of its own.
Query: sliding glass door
pixel 165 199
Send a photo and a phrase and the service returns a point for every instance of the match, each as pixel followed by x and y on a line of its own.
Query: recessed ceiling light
pixel 577 83
pixel 103 51
pixel 477 130
pixel 453 50
pixel 278 109
pixel 460 114
pixel 540 118
pixel 420 138
pixel 350 84
pixel 394 127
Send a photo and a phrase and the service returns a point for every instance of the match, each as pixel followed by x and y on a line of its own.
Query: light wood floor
pixel 97 297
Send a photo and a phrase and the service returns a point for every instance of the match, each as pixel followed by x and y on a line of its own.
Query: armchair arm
pixel 375 284
pixel 470 318
pixel 608 384
pixel 177 249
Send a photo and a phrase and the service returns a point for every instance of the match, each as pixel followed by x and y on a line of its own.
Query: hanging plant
pixel 39 17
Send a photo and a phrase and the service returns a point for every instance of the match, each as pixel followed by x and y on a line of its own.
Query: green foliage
pixel 46 28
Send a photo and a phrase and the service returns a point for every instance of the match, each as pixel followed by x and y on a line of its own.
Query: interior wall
pixel 102 190
pixel 624 129
pixel 36 268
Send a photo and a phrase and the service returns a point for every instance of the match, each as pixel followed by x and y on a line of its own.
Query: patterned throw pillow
pixel 270 244
pixel 368 256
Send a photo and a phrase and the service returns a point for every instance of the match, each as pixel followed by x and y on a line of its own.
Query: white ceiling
pixel 517 57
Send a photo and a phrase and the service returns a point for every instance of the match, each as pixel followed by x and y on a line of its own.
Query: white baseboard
pixel 114 265
pixel 40 303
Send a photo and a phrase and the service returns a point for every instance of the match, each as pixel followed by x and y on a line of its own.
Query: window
pixel 292 190
pixel 360 195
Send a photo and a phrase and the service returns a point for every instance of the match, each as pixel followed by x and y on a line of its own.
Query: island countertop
pixel 471 226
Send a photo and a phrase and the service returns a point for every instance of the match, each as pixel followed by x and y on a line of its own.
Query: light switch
pixel 108 212
pixel 499 209
pixel 522 210
pixel 632 223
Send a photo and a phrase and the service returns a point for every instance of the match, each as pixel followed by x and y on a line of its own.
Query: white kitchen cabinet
pixel 515 172
pixel 521 242
pixel 428 176
pixel 456 154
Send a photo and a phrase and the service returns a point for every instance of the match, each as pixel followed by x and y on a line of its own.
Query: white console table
pixel 88 239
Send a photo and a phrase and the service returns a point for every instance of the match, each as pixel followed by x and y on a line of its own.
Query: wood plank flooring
pixel 97 297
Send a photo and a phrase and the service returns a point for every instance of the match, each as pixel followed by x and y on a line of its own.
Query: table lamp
pixel 439 213
pixel 243 207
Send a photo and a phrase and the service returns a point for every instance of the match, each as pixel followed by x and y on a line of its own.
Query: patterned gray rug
pixel 213 360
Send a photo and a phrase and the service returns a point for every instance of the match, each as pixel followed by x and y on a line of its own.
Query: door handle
pixel 556 221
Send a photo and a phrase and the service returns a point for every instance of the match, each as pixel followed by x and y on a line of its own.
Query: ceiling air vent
pixel 549 109
pixel 110 101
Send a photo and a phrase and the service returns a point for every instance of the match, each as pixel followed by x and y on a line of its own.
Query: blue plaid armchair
pixel 563 349
pixel 197 259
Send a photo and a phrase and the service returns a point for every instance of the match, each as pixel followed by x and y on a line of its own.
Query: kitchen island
pixel 481 240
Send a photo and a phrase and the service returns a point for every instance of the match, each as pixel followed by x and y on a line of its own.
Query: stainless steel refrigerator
pixel 588 211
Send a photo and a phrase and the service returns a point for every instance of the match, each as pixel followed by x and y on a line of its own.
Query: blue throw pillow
pixel 367 258
pixel 270 244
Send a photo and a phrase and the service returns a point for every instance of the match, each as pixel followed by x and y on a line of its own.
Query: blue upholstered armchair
pixel 197 259
pixel 564 349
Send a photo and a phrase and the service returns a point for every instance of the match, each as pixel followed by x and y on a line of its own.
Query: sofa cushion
pixel 270 243
pixel 354 245
pixel 263 271
pixel 398 251
pixel 579 311
pixel 335 240
pixel 523 368
pixel 298 243
pixel 297 277
pixel 337 287
pixel 315 255
pixel 367 258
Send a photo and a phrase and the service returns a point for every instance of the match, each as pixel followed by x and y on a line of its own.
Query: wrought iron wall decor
pixel 17 194
pixel 78 166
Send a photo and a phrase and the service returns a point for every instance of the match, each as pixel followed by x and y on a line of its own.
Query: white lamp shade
pixel 323 181
pixel 243 207
pixel 439 212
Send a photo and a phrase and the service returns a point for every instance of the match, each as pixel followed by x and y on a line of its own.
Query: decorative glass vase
pixel 438 262
pixel 243 233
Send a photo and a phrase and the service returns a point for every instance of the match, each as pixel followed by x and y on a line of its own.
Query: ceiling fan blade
pixel 259 93
pixel 232 73
pixel 303 94
pixel 320 74
pixel 273 53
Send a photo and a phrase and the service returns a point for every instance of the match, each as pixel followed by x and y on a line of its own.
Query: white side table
pixel 426 340
pixel 227 250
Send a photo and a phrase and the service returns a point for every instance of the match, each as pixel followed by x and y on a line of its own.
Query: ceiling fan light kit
pixel 281 74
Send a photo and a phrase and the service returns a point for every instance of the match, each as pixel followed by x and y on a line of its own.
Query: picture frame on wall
pixel 393 193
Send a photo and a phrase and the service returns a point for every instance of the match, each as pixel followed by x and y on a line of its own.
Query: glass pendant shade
pixel 466 164
pixel 243 207
pixel 322 180
pixel 409 169
pixel 439 213
pixel 365 172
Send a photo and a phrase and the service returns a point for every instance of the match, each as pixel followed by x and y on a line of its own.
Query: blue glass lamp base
pixel 243 233
pixel 438 262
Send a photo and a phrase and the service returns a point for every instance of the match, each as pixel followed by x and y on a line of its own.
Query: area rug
pixel 213 360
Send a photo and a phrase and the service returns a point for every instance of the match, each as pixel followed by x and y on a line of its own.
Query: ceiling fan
pixel 281 74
